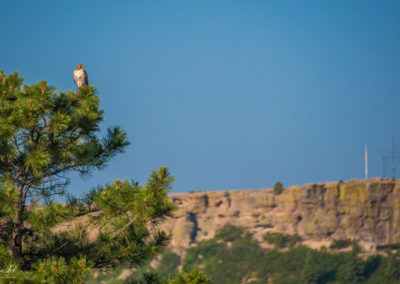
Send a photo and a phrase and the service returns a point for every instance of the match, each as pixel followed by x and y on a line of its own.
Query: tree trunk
pixel 18 229
pixel 16 242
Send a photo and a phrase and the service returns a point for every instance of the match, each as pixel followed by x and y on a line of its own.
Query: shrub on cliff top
pixel 278 188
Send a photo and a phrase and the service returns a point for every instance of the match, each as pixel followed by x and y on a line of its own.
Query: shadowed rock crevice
pixel 228 199
pixel 205 200
pixel 176 201
pixel 193 234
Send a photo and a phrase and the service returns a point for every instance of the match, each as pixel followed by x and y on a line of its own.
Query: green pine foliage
pixel 128 210
pixel 191 277
pixel 45 134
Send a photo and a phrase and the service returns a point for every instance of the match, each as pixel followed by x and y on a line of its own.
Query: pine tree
pixel 278 188
pixel 191 277
pixel 45 134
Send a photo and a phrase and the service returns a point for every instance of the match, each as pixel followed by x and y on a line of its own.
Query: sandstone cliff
pixel 368 211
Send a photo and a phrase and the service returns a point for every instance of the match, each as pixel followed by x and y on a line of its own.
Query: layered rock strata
pixel 367 211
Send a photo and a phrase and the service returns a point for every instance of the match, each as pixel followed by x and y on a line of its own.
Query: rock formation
pixel 367 211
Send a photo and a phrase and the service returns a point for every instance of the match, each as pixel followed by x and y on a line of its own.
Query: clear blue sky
pixel 227 94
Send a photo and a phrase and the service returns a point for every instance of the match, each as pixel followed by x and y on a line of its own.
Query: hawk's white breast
pixel 79 77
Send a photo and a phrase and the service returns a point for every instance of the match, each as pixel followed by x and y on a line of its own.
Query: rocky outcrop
pixel 368 211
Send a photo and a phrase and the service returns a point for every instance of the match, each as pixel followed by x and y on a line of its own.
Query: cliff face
pixel 368 211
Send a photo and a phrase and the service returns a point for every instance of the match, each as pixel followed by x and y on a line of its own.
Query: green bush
pixel 340 244
pixel 278 188
pixel 229 233
pixel 168 264
pixel 282 240
pixel 192 277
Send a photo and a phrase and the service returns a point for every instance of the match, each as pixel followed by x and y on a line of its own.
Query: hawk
pixel 80 76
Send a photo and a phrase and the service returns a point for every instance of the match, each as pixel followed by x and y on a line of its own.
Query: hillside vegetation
pixel 232 256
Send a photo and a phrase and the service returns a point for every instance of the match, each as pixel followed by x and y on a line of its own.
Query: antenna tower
pixel 392 156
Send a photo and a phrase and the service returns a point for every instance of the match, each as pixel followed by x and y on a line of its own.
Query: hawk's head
pixel 80 66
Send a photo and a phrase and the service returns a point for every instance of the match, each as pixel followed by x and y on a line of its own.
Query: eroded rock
pixel 368 211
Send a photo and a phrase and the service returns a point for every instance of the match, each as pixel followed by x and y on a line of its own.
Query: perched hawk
pixel 80 76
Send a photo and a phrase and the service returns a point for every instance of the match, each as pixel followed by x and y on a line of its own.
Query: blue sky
pixel 227 94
